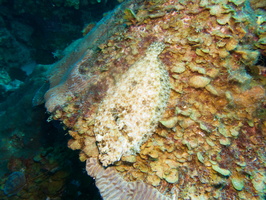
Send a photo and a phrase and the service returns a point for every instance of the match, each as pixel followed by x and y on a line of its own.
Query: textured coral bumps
pixel 132 108
pixel 120 189
pixel 169 101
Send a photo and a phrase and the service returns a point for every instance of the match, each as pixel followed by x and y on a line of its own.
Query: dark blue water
pixel 32 35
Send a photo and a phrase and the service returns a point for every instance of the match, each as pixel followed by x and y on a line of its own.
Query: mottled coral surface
pixel 210 139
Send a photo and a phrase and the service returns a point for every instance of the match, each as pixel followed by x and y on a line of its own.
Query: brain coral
pixel 169 97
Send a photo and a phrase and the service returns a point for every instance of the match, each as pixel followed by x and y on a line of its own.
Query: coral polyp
pixel 166 99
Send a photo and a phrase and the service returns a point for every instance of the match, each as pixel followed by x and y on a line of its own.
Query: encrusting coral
pixel 167 98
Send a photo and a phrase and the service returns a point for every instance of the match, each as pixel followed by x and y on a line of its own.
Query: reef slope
pixel 172 98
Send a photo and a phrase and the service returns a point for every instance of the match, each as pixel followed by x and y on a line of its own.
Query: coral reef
pixel 107 181
pixel 30 31
pixel 166 97
pixel 50 174
pixel 6 84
